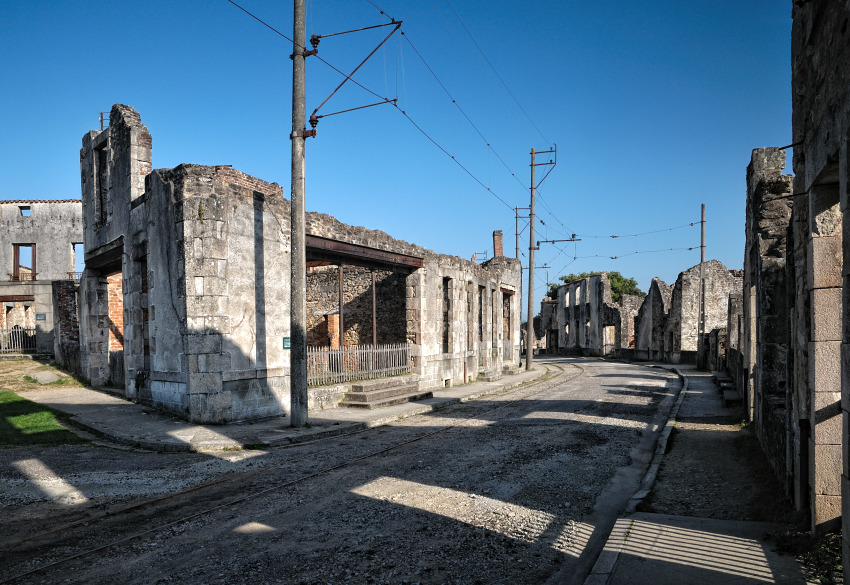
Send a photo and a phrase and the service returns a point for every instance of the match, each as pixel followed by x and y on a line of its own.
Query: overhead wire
pixel 404 113
pixel 670 229
pixel 490 148
pixel 505 85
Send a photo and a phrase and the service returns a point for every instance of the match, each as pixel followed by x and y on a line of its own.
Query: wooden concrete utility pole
pixel 701 355
pixel 529 324
pixel 298 290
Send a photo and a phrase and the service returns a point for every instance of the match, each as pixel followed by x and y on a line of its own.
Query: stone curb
pixel 607 560
pixel 303 436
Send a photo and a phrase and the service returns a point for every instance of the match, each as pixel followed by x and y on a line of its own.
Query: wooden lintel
pixel 319 248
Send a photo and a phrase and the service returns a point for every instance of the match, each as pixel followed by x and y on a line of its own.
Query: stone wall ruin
pixel 201 258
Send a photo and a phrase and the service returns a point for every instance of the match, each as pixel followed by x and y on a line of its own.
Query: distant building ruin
pixel 185 298
pixel 38 244
pixel 590 323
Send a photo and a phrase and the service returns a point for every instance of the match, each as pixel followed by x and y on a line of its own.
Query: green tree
pixel 620 285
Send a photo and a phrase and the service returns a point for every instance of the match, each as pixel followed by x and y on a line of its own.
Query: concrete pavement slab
pixel 124 422
pixel 663 549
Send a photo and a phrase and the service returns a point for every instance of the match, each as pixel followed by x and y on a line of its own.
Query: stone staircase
pixel 727 388
pixel 386 392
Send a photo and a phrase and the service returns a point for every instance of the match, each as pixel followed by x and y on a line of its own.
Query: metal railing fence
pixel 17 340
pixel 358 362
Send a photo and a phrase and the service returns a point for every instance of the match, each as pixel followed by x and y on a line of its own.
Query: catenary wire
pixel 505 85
pixel 477 180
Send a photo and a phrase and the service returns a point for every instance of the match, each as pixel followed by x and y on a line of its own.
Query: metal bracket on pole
pixel 303 134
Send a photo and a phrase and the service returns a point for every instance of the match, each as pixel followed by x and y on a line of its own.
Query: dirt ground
pixel 714 468
pixel 497 490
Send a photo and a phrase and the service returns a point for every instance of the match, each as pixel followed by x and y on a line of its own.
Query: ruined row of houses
pixel 183 301
pixel 786 341
pixel 662 326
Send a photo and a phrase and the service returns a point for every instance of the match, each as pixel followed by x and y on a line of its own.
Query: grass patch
pixel 23 422
pixel 30 379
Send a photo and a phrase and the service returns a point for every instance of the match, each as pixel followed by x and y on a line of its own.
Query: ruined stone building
pixel 546 327
pixel 37 246
pixel 765 333
pixel 797 381
pixel 651 320
pixel 590 323
pixel 185 298
pixel 681 329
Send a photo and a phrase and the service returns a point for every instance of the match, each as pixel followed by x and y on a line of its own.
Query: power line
pixel 448 154
pixel 273 29
pixel 477 180
pixel 461 110
pixel 505 85
pixel 692 224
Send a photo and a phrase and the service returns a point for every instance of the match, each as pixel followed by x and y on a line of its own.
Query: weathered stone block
pixel 826 314
pixel 215 248
pixel 827 418
pixel 826 511
pixel 828 466
pixel 214 362
pixel 825 366
pixel 825 262
pixel 209 383
pixel 203 343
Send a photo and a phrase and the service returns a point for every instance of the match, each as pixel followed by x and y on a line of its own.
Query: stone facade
pixel 651 321
pixel 546 327
pixel 186 291
pixel 591 324
pixel 817 256
pixel 765 324
pixel 36 247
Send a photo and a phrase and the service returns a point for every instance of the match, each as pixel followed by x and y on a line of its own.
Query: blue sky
pixel 654 106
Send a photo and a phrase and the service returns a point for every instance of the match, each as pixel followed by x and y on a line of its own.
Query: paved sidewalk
pixel 127 423
pixel 662 549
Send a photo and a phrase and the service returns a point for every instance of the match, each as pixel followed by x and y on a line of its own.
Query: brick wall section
pixel 66 340
pixel 115 303
pixel 323 300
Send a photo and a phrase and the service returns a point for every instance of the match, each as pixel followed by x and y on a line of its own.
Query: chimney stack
pixel 497 243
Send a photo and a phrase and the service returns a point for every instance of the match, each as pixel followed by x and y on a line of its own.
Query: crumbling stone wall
pixel 820 55
pixel 650 322
pixel 589 322
pixel 66 340
pixel 765 311
pixel 203 258
pixel 682 325
pixel 546 326
pixel 53 227
pixel 323 301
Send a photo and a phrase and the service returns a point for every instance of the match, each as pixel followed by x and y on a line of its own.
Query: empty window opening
pixel 470 332
pixel 23 262
pixel 481 298
pixel 79 261
pixel 101 187
pixel 447 309
pixel 25 210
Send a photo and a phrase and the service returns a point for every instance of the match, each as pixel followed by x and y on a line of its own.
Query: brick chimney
pixel 497 243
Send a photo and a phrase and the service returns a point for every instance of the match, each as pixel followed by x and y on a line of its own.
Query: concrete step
pixel 492 377
pixel 373 395
pixel 367 385
pixel 418 395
